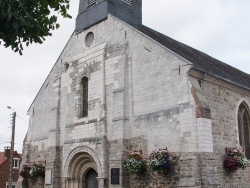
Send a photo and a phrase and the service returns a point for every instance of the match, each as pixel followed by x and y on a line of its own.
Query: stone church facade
pixel 120 86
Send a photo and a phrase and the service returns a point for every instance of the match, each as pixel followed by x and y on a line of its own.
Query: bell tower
pixel 92 12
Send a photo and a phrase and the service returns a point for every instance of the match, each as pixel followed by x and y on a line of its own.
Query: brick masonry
pixel 5 169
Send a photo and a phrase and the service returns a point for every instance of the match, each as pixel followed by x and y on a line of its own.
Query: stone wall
pixel 140 98
pixel 224 101
pixel 39 183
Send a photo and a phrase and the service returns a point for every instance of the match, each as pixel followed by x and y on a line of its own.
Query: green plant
pixel 161 161
pixel 66 65
pixel 27 22
pixel 35 171
pixel 134 163
pixel 25 171
pixel 234 159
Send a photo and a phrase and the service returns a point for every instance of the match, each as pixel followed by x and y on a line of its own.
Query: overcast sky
pixel 217 27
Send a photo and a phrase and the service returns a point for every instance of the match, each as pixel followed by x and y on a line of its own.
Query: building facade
pixel 5 168
pixel 120 86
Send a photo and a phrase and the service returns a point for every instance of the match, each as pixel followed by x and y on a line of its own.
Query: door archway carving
pixel 79 163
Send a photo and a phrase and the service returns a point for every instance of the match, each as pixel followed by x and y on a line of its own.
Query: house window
pixel 91 2
pixel 84 83
pixel 13 185
pixel 127 1
pixel 16 163
pixel 244 128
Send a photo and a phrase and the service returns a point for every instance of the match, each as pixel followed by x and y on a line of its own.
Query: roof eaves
pixel 221 78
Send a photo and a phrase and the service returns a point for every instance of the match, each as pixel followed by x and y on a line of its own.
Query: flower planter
pixel 134 163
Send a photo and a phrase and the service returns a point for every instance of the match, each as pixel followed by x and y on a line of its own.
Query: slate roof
pixel 200 60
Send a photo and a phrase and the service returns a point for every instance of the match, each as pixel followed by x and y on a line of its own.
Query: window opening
pixel 84 83
pixel 91 3
pixel 89 39
pixel 16 163
pixel 244 129
pixel 127 1
pixel 13 185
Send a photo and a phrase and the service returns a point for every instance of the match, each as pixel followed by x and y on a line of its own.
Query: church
pixel 119 86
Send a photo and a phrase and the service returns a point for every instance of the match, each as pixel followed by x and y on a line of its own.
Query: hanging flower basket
pixel 161 161
pixel 234 159
pixel 37 170
pixel 134 163
pixel 25 171
pixel 34 171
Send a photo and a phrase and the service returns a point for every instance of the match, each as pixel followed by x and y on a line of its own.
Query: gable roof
pixel 16 154
pixel 200 60
pixel 3 160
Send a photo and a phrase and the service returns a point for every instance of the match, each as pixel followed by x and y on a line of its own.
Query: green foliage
pixel 134 163
pixel 34 171
pixel 234 159
pixel 37 170
pixel 66 65
pixel 28 21
pixel 162 161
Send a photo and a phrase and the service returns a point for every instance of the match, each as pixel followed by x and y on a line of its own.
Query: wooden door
pixel 91 181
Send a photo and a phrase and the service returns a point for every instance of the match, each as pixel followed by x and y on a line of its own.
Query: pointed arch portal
pixel 82 171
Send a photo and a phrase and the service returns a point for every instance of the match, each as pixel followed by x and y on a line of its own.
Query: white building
pixel 120 86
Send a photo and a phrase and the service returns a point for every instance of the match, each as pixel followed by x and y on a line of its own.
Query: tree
pixel 28 21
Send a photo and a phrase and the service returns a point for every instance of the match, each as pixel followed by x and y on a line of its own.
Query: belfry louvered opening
pixel 91 2
pixel 127 1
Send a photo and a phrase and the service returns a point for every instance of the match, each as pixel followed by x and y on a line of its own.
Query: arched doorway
pixel 90 178
pixel 83 171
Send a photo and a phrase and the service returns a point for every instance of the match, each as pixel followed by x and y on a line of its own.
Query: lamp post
pixel 12 146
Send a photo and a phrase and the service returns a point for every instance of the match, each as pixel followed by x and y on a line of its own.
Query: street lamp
pixel 11 108
pixel 12 146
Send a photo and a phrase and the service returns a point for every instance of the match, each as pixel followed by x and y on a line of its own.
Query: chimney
pixel 6 152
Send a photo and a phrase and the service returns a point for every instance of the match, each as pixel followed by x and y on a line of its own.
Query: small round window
pixel 89 39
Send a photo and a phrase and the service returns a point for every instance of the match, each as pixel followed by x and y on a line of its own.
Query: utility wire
pixel 22 118
pixel 5 128
pixel 4 142
pixel 6 116
pixel 5 132
pixel 18 144
pixel 4 119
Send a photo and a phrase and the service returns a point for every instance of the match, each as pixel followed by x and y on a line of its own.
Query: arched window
pixel 244 128
pixel 84 83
